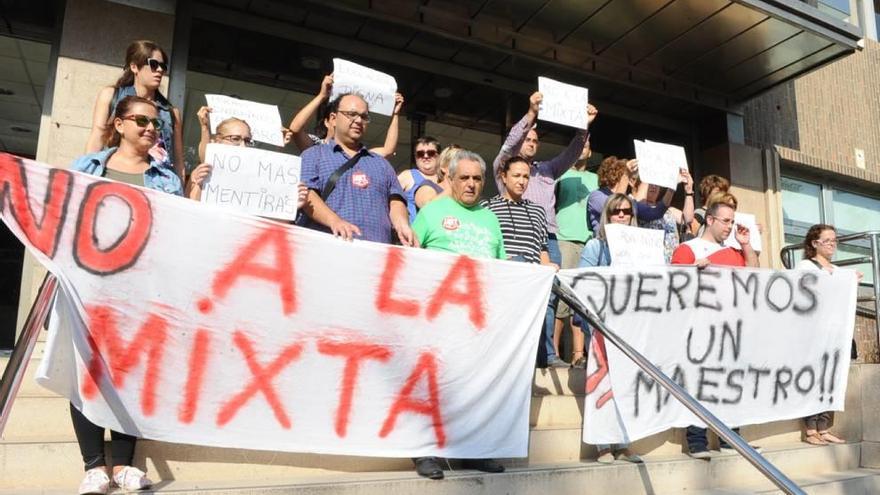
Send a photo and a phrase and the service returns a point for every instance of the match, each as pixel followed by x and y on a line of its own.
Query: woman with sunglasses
pixel 428 191
pixel 232 132
pixel 131 134
pixel 145 66
pixel 820 245
pixel 619 209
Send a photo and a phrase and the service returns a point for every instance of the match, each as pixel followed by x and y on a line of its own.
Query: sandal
pixel 815 439
pixel 830 438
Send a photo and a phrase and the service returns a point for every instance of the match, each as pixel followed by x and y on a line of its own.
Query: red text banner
pixel 178 321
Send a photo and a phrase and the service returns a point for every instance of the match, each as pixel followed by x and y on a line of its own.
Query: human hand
pixel 684 177
pixel 326 87
pixel 341 228
pixel 398 103
pixel 200 174
pixel 535 102
pixel 302 193
pixel 591 113
pixel 632 166
pixel 286 136
pixel 405 235
pixel 202 115
pixel 743 235
pixel 702 263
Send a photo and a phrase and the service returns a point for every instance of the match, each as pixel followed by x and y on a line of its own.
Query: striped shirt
pixel 523 225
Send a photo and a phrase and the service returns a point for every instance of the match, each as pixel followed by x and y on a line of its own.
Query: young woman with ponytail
pixel 145 66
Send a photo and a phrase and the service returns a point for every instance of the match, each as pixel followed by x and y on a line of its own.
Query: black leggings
pixel 90 438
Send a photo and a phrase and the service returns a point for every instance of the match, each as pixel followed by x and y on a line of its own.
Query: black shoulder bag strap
pixel 345 167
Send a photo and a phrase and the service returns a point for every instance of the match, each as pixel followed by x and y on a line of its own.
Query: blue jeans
pixel 697 441
pixel 550 317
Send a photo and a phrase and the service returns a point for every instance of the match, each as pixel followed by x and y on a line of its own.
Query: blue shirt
pixel 158 176
pixel 362 194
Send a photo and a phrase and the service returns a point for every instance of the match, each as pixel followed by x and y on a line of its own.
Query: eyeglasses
pixel 827 242
pixel 143 121
pixel 365 117
pixel 426 153
pixel 237 140
pixel 626 211
pixel 725 221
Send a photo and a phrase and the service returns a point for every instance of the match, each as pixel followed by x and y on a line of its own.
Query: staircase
pixel 39 454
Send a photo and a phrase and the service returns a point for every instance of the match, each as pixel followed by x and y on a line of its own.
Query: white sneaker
pixel 131 478
pixel 96 482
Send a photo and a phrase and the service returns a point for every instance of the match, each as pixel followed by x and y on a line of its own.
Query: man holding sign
pixel 353 191
pixel 706 250
pixel 523 141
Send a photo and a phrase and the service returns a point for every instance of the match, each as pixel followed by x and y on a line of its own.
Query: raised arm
pixel 648 212
pixel 687 211
pixel 557 165
pixel 387 150
pixel 177 152
pixel 100 116
pixel 595 203
pixel 517 135
pixel 301 120
pixel 204 131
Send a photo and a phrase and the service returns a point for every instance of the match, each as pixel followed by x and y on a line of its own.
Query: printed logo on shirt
pixel 451 223
pixel 360 180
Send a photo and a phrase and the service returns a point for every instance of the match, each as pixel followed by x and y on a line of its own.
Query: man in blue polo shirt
pixel 367 200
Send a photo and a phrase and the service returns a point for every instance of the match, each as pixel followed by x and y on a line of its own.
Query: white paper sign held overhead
pixel 377 88
pixel 264 120
pixel 660 163
pixel 563 103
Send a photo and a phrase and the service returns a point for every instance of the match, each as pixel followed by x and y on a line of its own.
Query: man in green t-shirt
pixel 572 190
pixel 458 224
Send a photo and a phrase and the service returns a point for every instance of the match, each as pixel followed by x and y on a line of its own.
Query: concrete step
pixel 678 475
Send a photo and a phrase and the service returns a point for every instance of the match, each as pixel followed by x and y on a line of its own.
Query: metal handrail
pixel 873 237
pixel 769 470
pixel 21 353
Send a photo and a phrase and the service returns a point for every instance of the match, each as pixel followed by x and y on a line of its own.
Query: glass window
pixel 836 8
pixel 855 213
pixel 801 208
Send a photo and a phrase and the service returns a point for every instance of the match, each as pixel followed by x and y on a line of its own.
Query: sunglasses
pixel 426 153
pixel 155 65
pixel 625 211
pixel 143 121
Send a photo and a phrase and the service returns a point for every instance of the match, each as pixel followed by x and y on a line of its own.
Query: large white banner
pixel 563 103
pixel 263 119
pixel 751 345
pixel 251 180
pixel 185 323
pixel 376 88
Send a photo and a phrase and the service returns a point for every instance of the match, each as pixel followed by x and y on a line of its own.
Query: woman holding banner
pixel 131 135
pixel 819 247
pixel 323 131
pixel 233 132
pixel 145 65
pixel 619 209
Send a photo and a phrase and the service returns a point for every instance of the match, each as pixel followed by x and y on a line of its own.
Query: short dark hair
pixel 428 140
pixel 505 166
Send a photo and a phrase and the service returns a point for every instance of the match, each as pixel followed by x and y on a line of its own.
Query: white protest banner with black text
pixel 264 120
pixel 563 103
pixel 752 345
pixel 252 181
pixel 634 246
pixel 184 323
pixel 376 88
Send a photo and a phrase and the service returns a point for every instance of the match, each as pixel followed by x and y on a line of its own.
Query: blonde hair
pixel 445 159
pixel 613 202
pixel 231 120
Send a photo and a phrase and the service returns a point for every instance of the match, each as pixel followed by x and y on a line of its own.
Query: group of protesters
pixel 551 212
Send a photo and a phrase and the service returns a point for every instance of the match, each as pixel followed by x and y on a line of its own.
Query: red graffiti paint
pixel 15 194
pixel 281 272
pixel 108 347
pixel 354 353
pixel 385 301
pixel 595 378
pixel 470 296
pixel 404 402
pixel 125 251
pixel 261 381
pixel 198 359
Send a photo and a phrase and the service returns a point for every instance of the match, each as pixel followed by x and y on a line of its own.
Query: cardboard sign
pixel 377 88
pixel 264 120
pixel 660 163
pixel 752 345
pixel 179 324
pixel 634 246
pixel 563 103
pixel 252 181
pixel 749 221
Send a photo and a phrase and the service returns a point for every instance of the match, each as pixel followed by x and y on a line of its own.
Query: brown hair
pixel 111 137
pixel 813 235
pixel 137 53
pixel 711 182
pixel 718 200
pixel 231 120
pixel 610 171
pixel 614 201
